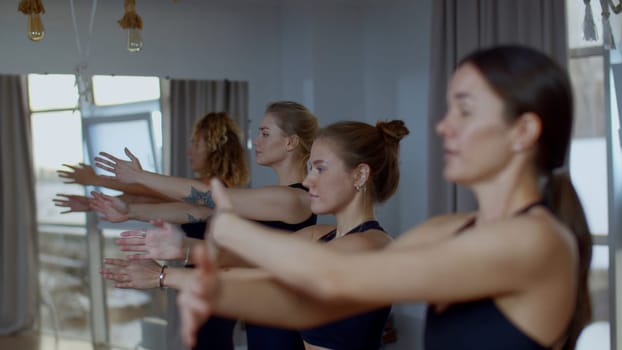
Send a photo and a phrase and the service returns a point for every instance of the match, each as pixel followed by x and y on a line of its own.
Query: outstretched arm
pixel 84 174
pixel 74 203
pixel 279 203
pixel 115 209
pixel 495 259
pixel 252 295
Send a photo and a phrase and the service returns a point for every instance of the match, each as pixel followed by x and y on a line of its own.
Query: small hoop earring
pixel 358 188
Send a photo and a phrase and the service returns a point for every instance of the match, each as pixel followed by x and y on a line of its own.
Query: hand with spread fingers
pixel 123 170
pixel 74 203
pixel 111 208
pixel 163 242
pixel 143 274
pixel 82 174
pixel 196 294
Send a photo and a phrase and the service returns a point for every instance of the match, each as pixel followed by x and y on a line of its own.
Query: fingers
pixel 202 258
pixel 157 223
pixel 109 156
pixel 136 257
pixel 69 166
pixel 219 195
pixel 65 174
pixel 105 164
pixel 132 241
pixel 60 202
pixel 130 155
pixel 133 233
pixel 133 248
pixel 193 311
pixel 116 262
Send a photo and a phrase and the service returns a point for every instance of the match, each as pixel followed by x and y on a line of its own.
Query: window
pixel 67 130
pixel 589 69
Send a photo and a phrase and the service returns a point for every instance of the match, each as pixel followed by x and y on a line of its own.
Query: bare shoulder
pixel 368 240
pixel 314 232
pixel 536 240
pixel 433 230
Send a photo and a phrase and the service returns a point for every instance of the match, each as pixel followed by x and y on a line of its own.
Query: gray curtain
pixel 461 26
pixel 18 226
pixel 190 100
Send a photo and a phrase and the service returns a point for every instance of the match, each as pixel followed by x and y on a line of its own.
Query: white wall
pixel 359 59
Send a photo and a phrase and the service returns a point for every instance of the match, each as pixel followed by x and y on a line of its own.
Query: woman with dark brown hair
pixel 512 275
pixel 353 167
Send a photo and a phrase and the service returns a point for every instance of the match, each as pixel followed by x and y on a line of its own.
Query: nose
pixel 255 141
pixel 308 180
pixel 442 128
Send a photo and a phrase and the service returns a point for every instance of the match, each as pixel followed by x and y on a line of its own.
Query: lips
pixel 450 152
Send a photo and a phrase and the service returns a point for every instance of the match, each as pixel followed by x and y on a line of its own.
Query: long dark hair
pixel 529 81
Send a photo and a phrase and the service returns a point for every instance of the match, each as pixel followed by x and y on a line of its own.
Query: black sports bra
pixel 476 324
pixel 358 332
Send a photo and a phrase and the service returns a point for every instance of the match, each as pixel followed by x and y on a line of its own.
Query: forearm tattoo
pixel 200 198
pixel 192 219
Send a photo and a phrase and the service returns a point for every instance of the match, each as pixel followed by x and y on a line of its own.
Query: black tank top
pixel 270 338
pixel 311 220
pixel 358 332
pixel 476 324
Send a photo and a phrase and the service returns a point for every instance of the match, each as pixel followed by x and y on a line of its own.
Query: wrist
pixel 186 255
pixel 130 214
pixel 162 277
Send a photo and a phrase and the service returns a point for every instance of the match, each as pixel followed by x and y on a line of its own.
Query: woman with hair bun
pixel 353 166
pixel 511 275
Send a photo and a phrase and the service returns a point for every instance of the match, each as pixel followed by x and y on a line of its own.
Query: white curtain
pixel 462 26
pixel 18 228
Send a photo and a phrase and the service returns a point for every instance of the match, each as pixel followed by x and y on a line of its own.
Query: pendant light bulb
pixel 36 32
pixel 134 40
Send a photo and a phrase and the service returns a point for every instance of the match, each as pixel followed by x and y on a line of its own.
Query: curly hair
pixel 226 158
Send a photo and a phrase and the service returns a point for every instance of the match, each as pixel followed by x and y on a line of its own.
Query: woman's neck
pixel 506 194
pixel 356 213
pixel 289 171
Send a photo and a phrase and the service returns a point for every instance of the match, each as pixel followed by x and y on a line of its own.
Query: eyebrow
pixel 462 96
pixel 319 161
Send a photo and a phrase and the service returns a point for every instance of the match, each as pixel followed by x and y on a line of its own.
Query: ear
pixel 361 174
pixel 527 131
pixel 292 142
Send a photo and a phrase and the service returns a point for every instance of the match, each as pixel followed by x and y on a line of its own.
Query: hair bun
pixel 393 131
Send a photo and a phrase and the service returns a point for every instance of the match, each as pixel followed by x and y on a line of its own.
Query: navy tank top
pixel 217 332
pixel 194 229
pixel 359 332
pixel 476 324
pixel 270 338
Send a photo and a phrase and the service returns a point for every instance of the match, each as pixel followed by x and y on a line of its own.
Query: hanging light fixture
pixel 33 9
pixel 132 22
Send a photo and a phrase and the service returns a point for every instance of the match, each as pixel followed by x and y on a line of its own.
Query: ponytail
pixel 562 199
